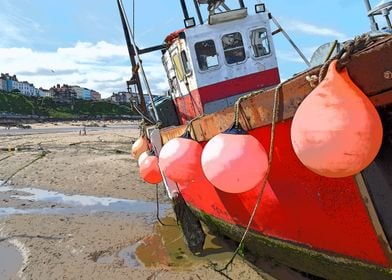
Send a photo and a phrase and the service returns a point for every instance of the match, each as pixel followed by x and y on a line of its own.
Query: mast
pixel 184 9
pixel 373 24
pixel 131 51
pixel 197 8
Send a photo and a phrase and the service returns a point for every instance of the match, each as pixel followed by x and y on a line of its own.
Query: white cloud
pixel 311 29
pixel 293 56
pixel 102 66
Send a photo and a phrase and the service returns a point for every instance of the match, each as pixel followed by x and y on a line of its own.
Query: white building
pixel 82 93
pixel 79 91
pixel 24 87
pixel 45 92
pixel 3 85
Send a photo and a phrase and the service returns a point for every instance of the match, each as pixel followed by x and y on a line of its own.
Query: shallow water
pixel 126 256
pixel 74 204
pixel 166 246
pixel 10 260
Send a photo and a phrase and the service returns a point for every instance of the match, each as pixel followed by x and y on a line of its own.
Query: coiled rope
pixel 349 48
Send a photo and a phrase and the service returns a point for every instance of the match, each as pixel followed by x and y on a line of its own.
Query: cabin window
pixel 233 47
pixel 260 42
pixel 185 62
pixel 177 66
pixel 206 55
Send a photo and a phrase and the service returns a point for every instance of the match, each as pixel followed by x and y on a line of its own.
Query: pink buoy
pixel 336 131
pixel 234 163
pixel 179 160
pixel 149 170
pixel 140 146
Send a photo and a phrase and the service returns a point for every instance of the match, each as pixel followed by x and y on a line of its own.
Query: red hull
pixel 298 206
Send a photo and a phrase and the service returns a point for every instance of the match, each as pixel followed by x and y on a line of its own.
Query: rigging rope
pixel 275 112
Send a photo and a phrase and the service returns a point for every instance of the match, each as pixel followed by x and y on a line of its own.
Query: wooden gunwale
pixel 257 111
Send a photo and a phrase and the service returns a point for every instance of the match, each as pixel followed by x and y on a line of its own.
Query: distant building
pixel 95 95
pixel 79 91
pixel 24 87
pixel 46 92
pixel 63 94
pixel 10 83
pixel 86 94
pixel 83 93
pixel 3 85
pixel 122 97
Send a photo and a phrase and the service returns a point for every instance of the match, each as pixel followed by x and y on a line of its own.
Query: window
pixel 260 43
pixel 177 66
pixel 206 54
pixel 185 62
pixel 233 47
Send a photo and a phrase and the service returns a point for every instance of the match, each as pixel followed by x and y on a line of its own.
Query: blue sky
pixel 83 43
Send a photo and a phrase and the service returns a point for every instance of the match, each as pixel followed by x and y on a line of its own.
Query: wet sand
pixel 60 237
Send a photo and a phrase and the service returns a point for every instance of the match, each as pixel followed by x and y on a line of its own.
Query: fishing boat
pixel 317 207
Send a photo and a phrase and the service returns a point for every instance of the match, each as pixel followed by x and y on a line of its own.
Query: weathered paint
pixel 293 255
pixel 318 212
pixel 192 105
pixel 378 176
pixel 238 85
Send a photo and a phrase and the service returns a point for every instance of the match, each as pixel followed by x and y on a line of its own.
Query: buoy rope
pixel 190 129
pixel 349 48
pixel 157 200
pixel 237 106
pixel 275 112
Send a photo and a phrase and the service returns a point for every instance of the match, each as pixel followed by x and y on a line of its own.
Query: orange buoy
pixel 140 146
pixel 234 161
pixel 336 131
pixel 142 157
pixel 179 160
pixel 149 170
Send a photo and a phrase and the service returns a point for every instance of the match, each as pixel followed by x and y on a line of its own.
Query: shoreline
pixel 69 244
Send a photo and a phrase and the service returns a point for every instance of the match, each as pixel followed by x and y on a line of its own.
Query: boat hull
pixel 338 228
pixel 299 257
pixel 323 219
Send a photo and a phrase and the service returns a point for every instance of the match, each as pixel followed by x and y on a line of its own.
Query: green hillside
pixel 43 106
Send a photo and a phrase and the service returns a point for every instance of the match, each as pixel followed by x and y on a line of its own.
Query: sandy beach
pixel 75 208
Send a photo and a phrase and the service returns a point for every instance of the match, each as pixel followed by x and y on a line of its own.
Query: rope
pixel 157 200
pixel 189 128
pixel 237 106
pixel 349 48
pixel 41 155
pixel 265 179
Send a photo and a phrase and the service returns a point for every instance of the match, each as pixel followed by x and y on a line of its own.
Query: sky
pixel 81 42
